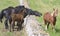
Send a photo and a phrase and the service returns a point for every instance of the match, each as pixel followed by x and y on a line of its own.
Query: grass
pixel 47 5
pixel 4 4
pixel 7 3
pixel 40 5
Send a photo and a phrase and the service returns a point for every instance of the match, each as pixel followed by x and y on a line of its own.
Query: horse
pixel 32 12
pixel 19 8
pixel 50 19
pixel 17 17
pixel 7 12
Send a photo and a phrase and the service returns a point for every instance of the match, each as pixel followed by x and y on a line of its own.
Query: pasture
pixel 40 5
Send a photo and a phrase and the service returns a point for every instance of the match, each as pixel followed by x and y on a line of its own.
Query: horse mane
pixel 19 8
pixel 32 12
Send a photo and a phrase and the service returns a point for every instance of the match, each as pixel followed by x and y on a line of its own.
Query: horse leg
pixel 6 24
pixel 18 26
pixel 1 20
pixel 48 24
pixel 13 23
pixel 53 26
pixel 22 23
pixel 10 27
pixel 45 24
pixel 10 22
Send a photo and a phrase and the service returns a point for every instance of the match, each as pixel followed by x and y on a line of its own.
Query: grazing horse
pixel 50 19
pixel 17 17
pixel 7 12
pixel 19 8
pixel 21 15
pixel 32 12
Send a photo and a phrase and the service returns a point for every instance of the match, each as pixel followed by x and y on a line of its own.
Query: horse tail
pixel 1 15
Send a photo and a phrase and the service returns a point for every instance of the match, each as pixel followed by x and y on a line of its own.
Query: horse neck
pixel 22 13
pixel 54 17
pixel 52 13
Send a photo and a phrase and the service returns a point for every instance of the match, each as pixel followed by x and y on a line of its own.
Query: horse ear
pixel 24 10
pixel 54 9
pixel 57 10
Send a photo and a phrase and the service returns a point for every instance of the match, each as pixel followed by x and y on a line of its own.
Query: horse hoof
pixel 6 27
pixel 53 29
pixel 10 30
pixel 17 29
pixel 46 28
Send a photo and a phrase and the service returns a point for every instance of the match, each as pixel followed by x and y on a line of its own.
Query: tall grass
pixel 47 5
pixel 40 5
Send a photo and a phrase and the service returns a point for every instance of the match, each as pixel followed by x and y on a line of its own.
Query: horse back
pixel 47 16
pixel 17 17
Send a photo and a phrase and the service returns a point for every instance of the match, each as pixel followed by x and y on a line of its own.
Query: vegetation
pixel 40 5
pixel 44 6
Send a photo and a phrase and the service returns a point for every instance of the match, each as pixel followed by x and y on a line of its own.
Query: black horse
pixel 7 12
pixel 21 15
pixel 32 12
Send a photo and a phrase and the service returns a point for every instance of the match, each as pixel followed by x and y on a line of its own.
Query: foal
pixel 50 19
pixel 17 17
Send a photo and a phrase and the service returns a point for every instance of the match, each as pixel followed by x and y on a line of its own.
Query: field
pixel 40 5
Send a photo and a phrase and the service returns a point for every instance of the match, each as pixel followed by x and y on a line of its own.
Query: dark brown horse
pixel 7 12
pixel 50 19
pixel 19 17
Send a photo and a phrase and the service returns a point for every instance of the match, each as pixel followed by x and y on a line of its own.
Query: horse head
pixel 55 12
pixel 32 12
pixel 36 13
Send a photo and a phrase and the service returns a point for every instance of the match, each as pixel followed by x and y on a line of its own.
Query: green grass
pixel 7 3
pixel 40 5
pixel 4 4
pixel 47 5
